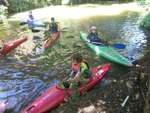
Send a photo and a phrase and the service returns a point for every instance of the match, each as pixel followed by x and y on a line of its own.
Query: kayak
pixel 105 51
pixel 36 23
pixel 9 46
pixel 53 38
pixel 55 95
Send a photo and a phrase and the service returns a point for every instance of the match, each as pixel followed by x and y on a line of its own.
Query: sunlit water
pixel 23 71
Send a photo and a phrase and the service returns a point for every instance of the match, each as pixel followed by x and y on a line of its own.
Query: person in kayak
pixel 93 35
pixel 94 38
pixel 80 69
pixel 30 20
pixel 53 26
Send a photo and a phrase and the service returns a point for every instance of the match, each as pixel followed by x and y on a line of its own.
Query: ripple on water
pixel 15 90
pixel 134 37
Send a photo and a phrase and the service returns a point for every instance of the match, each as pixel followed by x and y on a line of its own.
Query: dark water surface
pixel 23 71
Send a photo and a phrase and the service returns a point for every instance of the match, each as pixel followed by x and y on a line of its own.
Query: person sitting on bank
pixel 53 27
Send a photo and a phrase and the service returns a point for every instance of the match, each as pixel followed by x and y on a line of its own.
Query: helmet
pixel 93 28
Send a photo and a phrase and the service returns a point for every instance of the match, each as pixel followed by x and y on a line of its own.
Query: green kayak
pixel 106 51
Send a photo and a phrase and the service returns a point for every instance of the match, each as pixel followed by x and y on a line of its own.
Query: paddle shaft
pixel 115 45
pixel 123 104
pixel 38 30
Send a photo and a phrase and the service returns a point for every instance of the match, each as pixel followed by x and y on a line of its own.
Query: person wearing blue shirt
pixel 30 20
pixel 53 27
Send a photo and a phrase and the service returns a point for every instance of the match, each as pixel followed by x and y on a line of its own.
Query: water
pixel 24 71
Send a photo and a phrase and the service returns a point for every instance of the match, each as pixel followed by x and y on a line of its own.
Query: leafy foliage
pixel 23 5
pixel 3 13
pixel 146 21
pixel 3 10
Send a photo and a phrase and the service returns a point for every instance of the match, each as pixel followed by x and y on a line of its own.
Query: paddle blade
pixel 119 45
pixel 35 30
pixel 23 23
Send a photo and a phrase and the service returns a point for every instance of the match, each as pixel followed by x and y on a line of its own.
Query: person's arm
pixel 89 36
pixel 71 74
pixel 77 76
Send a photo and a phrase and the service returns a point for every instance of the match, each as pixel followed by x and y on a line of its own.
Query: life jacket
pixel 53 27
pixel 76 67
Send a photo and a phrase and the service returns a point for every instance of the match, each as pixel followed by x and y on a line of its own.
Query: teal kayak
pixel 107 52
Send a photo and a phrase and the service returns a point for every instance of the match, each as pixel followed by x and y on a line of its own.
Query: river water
pixel 24 71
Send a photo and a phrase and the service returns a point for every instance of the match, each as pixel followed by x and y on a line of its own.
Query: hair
pixel 78 57
pixel 30 12
pixel 52 18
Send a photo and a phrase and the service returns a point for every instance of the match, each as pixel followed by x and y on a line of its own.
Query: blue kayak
pixel 33 23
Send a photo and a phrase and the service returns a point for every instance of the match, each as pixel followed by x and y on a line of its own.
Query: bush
pixel 3 13
pixel 146 21
pixel 23 5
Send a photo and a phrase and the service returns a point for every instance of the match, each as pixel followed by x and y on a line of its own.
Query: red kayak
pixel 53 38
pixel 55 95
pixel 11 45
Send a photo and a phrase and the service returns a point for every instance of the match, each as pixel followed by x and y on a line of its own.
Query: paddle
pixel 22 23
pixel 34 30
pixel 118 45
pixel 115 45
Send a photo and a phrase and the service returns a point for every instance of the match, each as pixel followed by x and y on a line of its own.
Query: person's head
pixel 52 19
pixel 93 29
pixel 77 58
pixel 30 13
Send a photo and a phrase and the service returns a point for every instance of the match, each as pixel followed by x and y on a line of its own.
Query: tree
pixel 4 2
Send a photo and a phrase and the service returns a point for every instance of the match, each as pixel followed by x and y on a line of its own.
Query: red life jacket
pixel 76 67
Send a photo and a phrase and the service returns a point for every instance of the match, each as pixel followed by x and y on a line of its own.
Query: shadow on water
pixel 23 71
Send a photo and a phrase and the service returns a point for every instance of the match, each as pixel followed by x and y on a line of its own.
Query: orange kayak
pixel 53 38
pixel 9 46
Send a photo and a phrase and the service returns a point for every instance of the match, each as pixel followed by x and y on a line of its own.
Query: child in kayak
pixel 93 35
pixel 80 69
pixel 94 38
pixel 79 74
pixel 53 27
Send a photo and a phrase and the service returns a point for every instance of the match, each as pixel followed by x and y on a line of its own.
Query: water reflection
pixel 134 37
pixel 16 86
